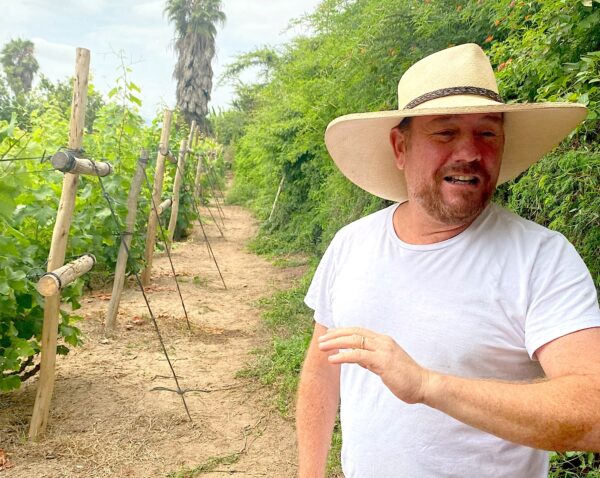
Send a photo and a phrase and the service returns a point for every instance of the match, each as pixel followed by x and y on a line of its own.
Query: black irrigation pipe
pixel 210 250
pixel 179 391
pixel 167 249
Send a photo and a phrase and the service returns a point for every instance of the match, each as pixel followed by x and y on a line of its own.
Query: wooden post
pixel 53 282
pixel 197 184
pixel 176 188
pixel 156 193
pixel 67 162
pixel 194 134
pixel 191 136
pixel 58 247
pixel 163 206
pixel 132 201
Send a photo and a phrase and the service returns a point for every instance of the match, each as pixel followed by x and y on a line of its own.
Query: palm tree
pixel 19 65
pixel 195 28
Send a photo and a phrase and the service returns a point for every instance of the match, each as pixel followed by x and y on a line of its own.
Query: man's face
pixel 451 163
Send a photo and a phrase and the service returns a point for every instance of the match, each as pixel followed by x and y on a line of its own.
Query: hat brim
pixel 359 143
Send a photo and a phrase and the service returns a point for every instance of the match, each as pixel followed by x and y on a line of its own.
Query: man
pixel 462 339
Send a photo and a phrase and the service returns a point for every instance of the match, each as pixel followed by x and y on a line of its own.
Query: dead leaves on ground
pixel 5 463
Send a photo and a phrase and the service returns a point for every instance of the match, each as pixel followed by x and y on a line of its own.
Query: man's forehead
pixel 442 119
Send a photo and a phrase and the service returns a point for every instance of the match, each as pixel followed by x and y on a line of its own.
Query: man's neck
pixel 413 226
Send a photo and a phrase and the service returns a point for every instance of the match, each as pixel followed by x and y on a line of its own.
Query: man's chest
pixel 457 314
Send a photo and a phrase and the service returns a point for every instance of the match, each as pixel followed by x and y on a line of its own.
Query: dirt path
pixel 107 422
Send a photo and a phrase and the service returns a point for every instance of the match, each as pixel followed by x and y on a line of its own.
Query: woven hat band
pixel 457 90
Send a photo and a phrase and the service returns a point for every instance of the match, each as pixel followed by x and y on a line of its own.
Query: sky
pixel 138 32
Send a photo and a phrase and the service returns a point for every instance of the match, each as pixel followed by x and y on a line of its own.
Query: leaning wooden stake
pixel 276 197
pixel 132 202
pixel 176 188
pixel 156 193
pixel 58 247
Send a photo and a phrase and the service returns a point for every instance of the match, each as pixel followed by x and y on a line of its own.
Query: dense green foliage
pixel 29 196
pixel 351 62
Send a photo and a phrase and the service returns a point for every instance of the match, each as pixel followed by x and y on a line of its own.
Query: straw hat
pixel 459 80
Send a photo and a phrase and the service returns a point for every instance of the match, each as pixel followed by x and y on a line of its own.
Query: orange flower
pixel 488 39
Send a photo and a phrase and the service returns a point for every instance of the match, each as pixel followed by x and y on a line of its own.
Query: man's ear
pixel 398 142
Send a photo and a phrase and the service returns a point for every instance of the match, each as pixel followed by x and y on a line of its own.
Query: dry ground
pixel 106 421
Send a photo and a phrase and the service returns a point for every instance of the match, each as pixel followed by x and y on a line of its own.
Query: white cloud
pixel 57 60
pixel 149 11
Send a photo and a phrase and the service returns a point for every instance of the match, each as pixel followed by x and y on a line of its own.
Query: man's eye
pixel 445 132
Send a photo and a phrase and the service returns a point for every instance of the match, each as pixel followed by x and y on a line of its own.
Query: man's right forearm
pixel 318 399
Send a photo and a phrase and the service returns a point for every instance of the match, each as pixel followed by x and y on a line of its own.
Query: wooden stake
pixel 276 197
pixel 163 206
pixel 176 188
pixel 197 184
pixel 67 162
pixel 58 247
pixel 53 282
pixel 194 135
pixel 156 194
pixel 132 202
pixel 191 136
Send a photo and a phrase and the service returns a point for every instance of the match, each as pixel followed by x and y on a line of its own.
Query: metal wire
pixel 179 391
pixel 168 250
pixel 186 188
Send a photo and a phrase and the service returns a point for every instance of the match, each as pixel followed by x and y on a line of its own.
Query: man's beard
pixel 468 204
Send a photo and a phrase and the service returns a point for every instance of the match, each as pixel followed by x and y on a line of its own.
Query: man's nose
pixel 467 149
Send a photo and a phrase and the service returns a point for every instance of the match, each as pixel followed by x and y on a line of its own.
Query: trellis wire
pixel 179 391
pixel 186 189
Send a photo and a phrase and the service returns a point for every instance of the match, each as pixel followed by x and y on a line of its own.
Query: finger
pixel 346 331
pixel 348 342
pixel 364 358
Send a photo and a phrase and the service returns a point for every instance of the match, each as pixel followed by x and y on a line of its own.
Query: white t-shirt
pixel 477 305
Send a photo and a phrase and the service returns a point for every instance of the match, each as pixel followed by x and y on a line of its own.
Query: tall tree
pixel 19 65
pixel 195 29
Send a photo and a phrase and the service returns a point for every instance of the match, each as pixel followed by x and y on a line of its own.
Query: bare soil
pixel 106 419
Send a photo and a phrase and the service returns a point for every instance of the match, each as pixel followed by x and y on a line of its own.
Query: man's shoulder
pixel 510 225
pixel 372 223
